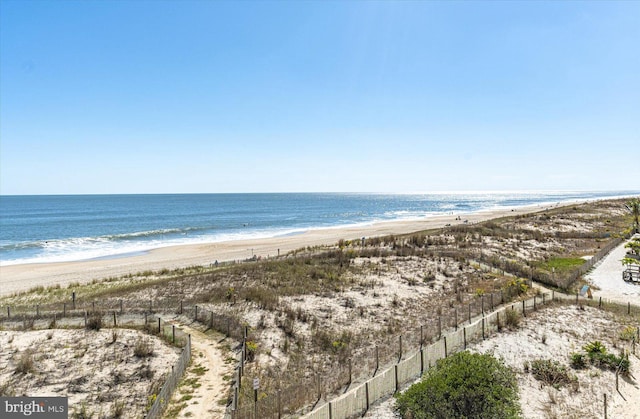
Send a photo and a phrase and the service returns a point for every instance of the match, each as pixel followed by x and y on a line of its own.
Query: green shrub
pixel 593 348
pixel 628 333
pixel 252 349
pixel 465 385
pixel 599 357
pixel 611 362
pixel 551 372
pixel 578 360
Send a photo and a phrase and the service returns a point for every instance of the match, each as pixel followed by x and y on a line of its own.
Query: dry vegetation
pixel 541 350
pixel 105 373
pixel 318 312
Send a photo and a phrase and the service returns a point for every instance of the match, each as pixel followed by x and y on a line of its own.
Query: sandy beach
pixel 17 278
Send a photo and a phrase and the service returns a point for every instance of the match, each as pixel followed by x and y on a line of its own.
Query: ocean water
pixel 56 228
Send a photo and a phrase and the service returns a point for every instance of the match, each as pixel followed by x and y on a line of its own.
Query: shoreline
pixel 22 277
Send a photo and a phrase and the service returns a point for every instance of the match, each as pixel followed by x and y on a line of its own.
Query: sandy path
pixel 16 278
pixel 207 369
pixel 607 275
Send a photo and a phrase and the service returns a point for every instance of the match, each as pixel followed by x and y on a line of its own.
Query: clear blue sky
pixel 207 96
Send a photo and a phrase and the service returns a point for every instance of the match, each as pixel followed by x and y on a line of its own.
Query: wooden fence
pixel 177 371
pixel 358 399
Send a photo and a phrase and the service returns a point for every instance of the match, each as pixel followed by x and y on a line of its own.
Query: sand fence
pixel 358 399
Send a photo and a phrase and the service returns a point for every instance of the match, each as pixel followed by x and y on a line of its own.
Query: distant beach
pixel 16 278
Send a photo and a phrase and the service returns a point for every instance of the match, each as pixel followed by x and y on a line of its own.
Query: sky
pixel 318 96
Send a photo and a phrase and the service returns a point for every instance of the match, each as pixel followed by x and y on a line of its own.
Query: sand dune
pixel 17 278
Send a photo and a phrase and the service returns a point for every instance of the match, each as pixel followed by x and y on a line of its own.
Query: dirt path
pixel 204 389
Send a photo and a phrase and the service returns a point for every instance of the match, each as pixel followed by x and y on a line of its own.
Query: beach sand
pixel 17 278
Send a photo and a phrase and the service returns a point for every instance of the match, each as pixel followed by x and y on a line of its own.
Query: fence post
pixel 605 405
pixel 395 368
pixel 628 307
pixel 73 299
pixel 8 312
pixel 421 337
pixel 120 306
pixel 349 371
pixel 439 327
pixel 377 362
pixel 464 334
pixel 279 405
pixel 455 314
pixel 85 318
pixel 445 346
pixel 366 392
pixel 483 328
pixel 196 312
pixel 158 325
pixel 600 303
pixel 524 309
pixel 114 319
pixel 421 361
pixel 319 390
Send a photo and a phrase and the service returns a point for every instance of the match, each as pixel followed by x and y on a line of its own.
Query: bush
pixel 25 363
pixel 594 348
pixel 464 385
pixel 252 349
pixel 578 361
pixel 551 372
pixel 599 357
pixel 94 322
pixel 628 333
pixel 512 319
pixel 143 348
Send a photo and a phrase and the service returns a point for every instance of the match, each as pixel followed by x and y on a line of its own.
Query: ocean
pixel 57 228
